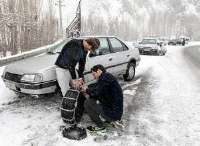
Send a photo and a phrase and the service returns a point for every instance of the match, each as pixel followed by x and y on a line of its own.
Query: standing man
pixel 75 51
pixel 110 96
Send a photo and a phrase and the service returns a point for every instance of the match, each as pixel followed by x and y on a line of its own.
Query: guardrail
pixel 193 51
pixel 31 53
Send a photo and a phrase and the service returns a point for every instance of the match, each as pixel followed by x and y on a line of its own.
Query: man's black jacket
pixel 71 54
pixel 109 93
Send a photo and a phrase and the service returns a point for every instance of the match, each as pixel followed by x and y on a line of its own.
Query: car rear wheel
pixel 130 72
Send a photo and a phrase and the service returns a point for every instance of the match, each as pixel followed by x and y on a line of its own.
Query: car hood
pixel 32 65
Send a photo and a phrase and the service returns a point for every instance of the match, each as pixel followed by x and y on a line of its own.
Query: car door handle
pixel 110 59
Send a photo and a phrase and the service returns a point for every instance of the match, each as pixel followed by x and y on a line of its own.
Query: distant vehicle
pixel 180 41
pixel 185 37
pixel 163 41
pixel 173 42
pixel 37 76
pixel 151 46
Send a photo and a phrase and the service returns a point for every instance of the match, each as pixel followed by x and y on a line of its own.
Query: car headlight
pixel 35 78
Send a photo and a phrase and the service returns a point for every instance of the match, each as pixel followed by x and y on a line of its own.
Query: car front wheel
pixel 130 72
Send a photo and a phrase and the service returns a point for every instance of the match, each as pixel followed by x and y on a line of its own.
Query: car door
pixel 101 56
pixel 120 56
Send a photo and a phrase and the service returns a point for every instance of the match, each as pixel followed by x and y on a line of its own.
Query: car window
pixel 104 47
pixel 148 41
pixel 125 47
pixel 116 45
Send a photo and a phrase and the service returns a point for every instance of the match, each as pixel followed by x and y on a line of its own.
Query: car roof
pixel 151 38
pixel 100 36
pixel 93 36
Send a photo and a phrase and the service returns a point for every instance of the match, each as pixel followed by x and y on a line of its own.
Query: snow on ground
pixel 37 122
pixel 5 94
pixel 161 107
pixel 171 114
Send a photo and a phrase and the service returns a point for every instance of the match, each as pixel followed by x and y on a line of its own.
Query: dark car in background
pixel 179 41
pixel 173 42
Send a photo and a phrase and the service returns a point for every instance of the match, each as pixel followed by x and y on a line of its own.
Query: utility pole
pixel 80 17
pixel 60 13
pixel 60 16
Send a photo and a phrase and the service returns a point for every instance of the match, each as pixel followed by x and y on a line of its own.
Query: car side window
pixel 116 45
pixel 125 47
pixel 104 47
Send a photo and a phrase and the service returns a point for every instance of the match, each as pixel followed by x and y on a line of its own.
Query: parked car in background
pixel 151 46
pixel 37 76
pixel 163 41
pixel 179 41
pixel 173 42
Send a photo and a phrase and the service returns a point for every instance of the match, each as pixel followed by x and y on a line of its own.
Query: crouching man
pixel 105 102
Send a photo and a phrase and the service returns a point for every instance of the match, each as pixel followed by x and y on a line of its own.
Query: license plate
pixel 11 85
pixel 146 49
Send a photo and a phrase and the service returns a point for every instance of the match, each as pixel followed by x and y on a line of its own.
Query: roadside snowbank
pixel 193 50
pixel 6 95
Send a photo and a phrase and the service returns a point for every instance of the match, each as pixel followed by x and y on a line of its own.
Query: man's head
pixel 97 70
pixel 91 44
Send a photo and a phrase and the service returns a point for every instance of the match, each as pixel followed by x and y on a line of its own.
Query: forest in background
pixel 134 19
pixel 29 24
pixel 25 25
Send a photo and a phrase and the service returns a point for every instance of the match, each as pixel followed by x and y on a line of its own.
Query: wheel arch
pixel 132 60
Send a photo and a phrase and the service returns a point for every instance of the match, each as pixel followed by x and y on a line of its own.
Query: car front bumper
pixel 148 51
pixel 32 88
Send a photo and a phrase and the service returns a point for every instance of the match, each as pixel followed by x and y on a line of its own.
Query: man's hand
pixel 81 81
pixel 77 83
pixel 84 88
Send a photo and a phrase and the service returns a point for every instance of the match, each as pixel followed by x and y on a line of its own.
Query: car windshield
pixel 57 49
pixel 148 41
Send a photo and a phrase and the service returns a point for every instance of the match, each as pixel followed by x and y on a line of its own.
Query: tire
pixel 130 72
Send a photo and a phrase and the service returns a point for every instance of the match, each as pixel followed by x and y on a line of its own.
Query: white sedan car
pixel 151 46
pixel 37 76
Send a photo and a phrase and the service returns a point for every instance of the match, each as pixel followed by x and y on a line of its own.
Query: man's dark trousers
pixel 94 110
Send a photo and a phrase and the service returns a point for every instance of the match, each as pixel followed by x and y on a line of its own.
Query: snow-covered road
pixel 167 101
pixel 162 107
